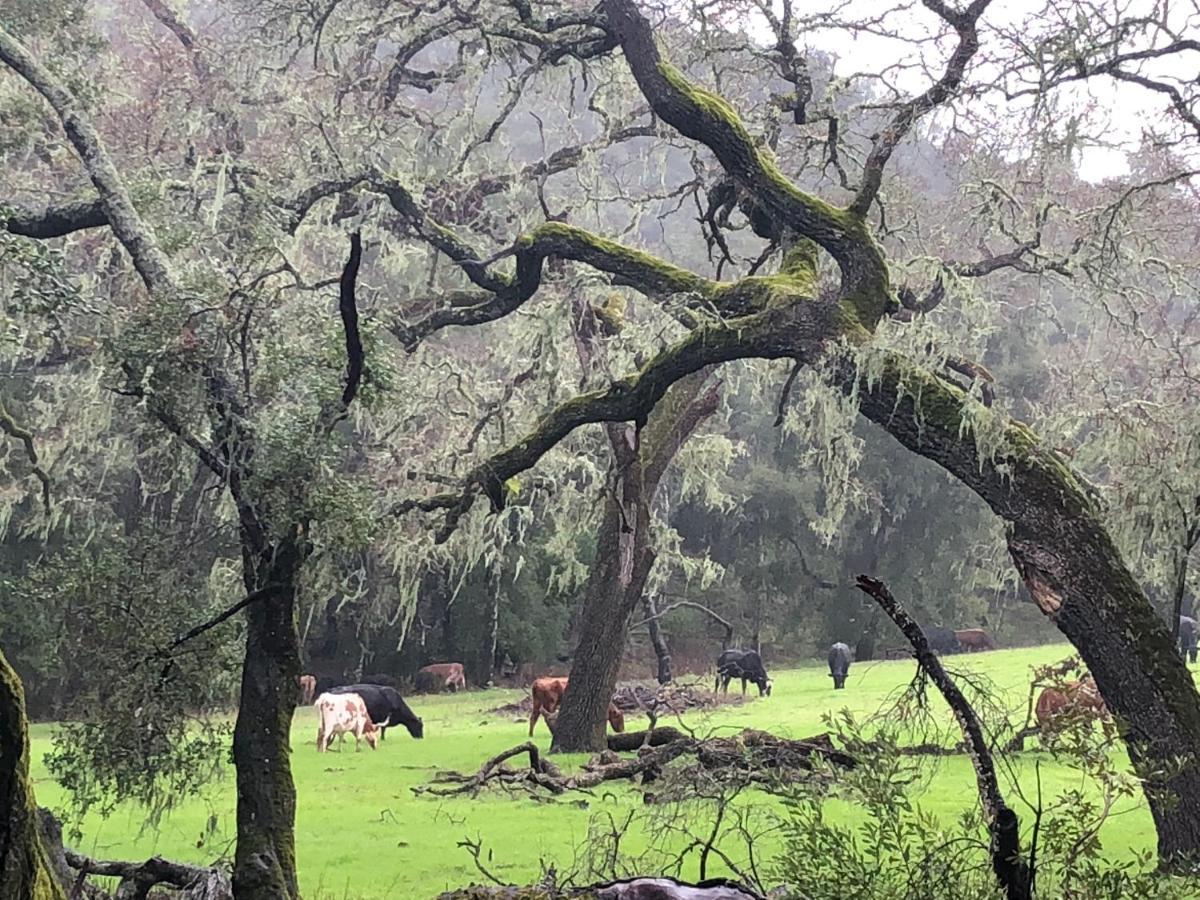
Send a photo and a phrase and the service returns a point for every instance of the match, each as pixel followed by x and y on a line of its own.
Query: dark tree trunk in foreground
pixel 1078 579
pixel 25 868
pixel 1011 870
pixel 265 860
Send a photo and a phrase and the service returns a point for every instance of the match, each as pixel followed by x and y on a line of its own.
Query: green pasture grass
pixel 362 833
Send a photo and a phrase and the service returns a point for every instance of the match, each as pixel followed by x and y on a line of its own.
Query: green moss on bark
pixel 25 872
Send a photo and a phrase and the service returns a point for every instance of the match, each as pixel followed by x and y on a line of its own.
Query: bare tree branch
pixel 964 23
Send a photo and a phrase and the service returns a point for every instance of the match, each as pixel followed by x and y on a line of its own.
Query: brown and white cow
pixel 974 639
pixel 1074 699
pixel 308 690
pixel 441 676
pixel 548 693
pixel 340 714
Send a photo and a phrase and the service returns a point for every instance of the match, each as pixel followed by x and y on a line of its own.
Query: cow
pixel 744 664
pixel 1187 638
pixel 381 680
pixel 387 708
pixel 308 690
pixel 547 693
pixel 441 676
pixel 340 714
pixel 1077 698
pixel 942 640
pixel 974 640
pixel 326 683
pixel 839 664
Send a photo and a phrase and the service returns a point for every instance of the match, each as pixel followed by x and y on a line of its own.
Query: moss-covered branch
pixel 54 221
pixel 705 117
pixel 134 234
pixel 1072 570
pixel 799 330
pixel 629 265
pixel 25 868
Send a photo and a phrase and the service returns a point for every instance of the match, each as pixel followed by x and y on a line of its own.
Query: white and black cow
pixel 746 665
pixel 839 664
pixel 386 706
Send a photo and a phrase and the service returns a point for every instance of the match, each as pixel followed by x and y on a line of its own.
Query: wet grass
pixel 361 833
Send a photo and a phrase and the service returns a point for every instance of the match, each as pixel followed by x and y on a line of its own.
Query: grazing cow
pixel 1187 638
pixel 1078 698
pixel 744 664
pixel 839 664
pixel 441 676
pixel 387 708
pixel 548 693
pixel 974 640
pixel 341 714
pixel 942 640
pixel 308 690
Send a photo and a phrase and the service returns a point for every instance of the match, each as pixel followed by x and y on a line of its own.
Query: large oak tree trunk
pixel 624 559
pixel 25 869
pixel 1078 579
pixel 265 860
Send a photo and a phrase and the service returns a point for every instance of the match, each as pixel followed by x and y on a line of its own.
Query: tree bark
pixel 662 653
pixel 265 859
pixel 25 868
pixel 624 553
pixel 604 619
pixel 1078 579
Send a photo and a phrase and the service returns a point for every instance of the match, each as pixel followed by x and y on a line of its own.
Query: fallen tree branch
pixel 1011 871
pixel 137 879
pixel 764 755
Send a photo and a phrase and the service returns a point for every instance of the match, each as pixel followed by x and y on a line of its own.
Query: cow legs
pixel 533 716
pixel 321 740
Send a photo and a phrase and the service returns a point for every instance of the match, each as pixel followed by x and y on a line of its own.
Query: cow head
pixel 839 680
pixel 764 688
pixel 416 728
pixel 616 718
pixel 371 733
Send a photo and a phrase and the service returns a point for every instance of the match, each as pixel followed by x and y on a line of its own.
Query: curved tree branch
pixel 10 427
pixel 134 234
pixel 964 23
pixel 705 117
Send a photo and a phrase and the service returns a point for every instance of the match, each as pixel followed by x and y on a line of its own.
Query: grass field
pixel 361 833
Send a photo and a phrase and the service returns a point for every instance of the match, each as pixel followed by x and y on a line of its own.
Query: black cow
pixel 942 640
pixel 386 708
pixel 744 664
pixel 1187 637
pixel 839 664
pixel 325 684
pixel 381 680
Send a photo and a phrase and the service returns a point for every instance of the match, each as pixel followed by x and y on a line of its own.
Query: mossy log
pixel 26 871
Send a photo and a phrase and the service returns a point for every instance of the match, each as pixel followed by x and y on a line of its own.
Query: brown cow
pixel 308 690
pixel 974 639
pixel 448 676
pixel 548 693
pixel 1075 698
